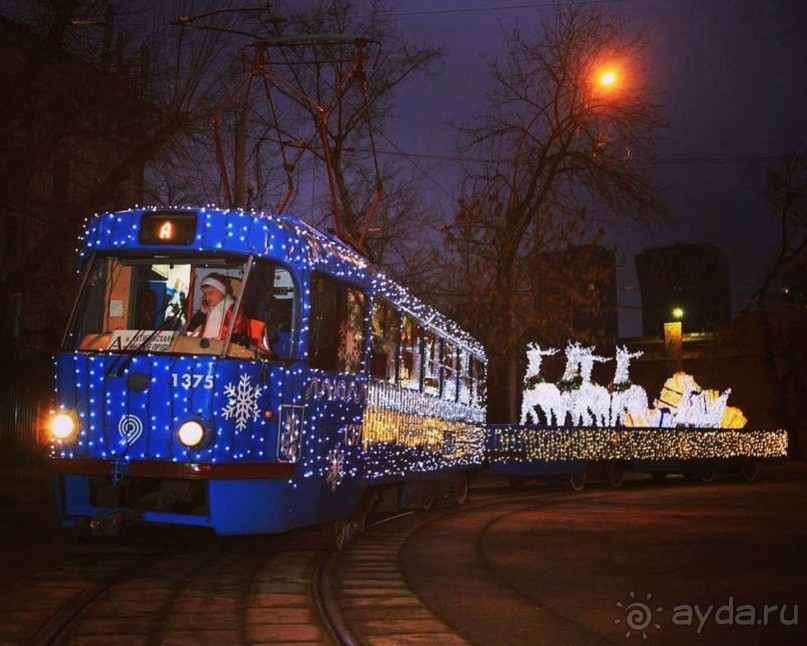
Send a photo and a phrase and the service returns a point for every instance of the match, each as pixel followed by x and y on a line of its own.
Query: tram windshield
pixel 185 305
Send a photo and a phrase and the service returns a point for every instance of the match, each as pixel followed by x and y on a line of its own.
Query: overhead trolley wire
pixel 466 10
pixel 682 160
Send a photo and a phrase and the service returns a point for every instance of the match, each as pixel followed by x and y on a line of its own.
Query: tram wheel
pixel 345 531
pixel 578 480
pixel 749 470
pixel 707 476
pixel 341 534
pixel 616 475
pixel 461 492
pixel 427 503
pixel 360 524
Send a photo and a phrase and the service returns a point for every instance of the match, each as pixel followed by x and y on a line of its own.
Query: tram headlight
pixel 192 434
pixel 62 426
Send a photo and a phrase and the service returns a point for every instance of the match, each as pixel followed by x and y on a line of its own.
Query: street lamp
pixel 608 78
pixel 678 313
pixel 606 83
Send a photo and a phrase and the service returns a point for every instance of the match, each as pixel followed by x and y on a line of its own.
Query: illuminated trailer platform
pixel 524 452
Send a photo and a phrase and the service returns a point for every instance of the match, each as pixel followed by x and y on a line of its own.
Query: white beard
pixel 215 318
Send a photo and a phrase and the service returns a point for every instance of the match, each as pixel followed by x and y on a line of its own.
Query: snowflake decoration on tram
pixel 349 347
pixel 336 467
pixel 290 433
pixel 242 402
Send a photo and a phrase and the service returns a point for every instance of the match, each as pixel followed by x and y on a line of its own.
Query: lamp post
pixel 674 341
pixel 604 89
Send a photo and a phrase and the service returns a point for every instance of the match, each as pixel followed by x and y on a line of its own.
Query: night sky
pixel 730 76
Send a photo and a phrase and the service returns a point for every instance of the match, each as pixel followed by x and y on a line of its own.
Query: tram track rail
pixel 331 586
pixel 327 606
pixel 68 620
pixel 322 590
pixel 56 628
pixel 165 595
pixel 345 631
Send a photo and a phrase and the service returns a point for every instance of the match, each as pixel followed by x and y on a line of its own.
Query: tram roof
pixel 282 237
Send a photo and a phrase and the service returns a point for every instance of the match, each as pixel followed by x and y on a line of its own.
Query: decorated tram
pixel 318 386
pixel 248 373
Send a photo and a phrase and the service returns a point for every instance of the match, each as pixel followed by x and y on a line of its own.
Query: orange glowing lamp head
pixel 608 78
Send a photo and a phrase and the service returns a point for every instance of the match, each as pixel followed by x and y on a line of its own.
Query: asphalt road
pixel 671 563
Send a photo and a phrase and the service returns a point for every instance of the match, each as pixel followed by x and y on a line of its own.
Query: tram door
pixel 270 305
pixel 337 389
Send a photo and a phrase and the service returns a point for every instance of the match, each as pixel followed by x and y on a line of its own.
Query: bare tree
pixel 560 149
pixel 335 34
pixel 781 301
pixel 785 191
pixel 85 117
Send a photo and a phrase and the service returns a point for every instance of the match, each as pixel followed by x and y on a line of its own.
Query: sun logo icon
pixel 638 615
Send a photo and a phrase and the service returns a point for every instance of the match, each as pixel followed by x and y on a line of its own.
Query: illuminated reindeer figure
pixel 570 381
pixel 591 403
pixel 539 393
pixel 626 398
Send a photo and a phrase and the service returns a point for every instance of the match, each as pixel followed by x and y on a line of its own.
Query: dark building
pixel 693 277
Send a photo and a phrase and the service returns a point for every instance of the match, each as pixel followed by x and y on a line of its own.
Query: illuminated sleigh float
pixel 576 427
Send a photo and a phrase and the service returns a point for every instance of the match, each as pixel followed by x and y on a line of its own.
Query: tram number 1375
pixel 188 381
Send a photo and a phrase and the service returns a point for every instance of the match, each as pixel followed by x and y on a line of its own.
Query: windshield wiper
pixel 129 352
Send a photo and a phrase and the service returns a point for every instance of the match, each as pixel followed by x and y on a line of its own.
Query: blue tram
pixel 318 384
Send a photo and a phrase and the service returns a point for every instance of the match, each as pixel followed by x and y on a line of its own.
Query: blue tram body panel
pixel 285 444
pixel 132 414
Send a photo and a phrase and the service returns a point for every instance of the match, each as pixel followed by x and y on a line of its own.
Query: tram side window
pixel 90 312
pixel 478 388
pixel 449 363
pixel 431 366
pixel 269 307
pixel 466 381
pixel 336 330
pixel 411 359
pixel 386 338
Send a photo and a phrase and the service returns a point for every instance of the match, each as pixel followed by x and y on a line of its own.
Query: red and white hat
pixel 216 281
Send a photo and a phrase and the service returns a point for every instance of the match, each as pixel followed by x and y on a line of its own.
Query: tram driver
pixel 215 316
